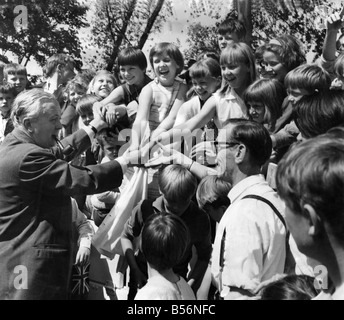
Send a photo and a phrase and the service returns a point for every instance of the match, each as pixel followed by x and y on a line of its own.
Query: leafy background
pixel 94 31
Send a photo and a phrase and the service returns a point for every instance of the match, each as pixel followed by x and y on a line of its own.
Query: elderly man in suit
pixel 36 185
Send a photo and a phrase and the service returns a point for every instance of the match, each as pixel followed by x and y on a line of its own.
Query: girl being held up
pixel 161 99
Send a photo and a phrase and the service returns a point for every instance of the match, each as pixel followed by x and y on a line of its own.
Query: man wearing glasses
pixel 250 242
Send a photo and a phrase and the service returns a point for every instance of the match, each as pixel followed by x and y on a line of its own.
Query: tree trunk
pixel 120 37
pixel 245 15
pixel 150 23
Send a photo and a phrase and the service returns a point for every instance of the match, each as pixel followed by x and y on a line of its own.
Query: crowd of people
pixel 244 153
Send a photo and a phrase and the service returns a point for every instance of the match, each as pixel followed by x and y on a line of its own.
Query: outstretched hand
pixel 166 155
pixel 335 21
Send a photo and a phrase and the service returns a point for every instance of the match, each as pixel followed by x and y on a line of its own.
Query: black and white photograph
pixel 158 150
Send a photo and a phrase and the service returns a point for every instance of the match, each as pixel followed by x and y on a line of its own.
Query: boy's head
pixel 84 108
pixel 229 31
pixel 7 95
pixel 110 142
pixel 305 80
pixel 15 75
pixel 62 63
pixel 132 57
pixel 316 114
pixel 212 196
pixel 310 179
pixel 164 241
pixel 177 185
pixel 132 65
pixel 205 77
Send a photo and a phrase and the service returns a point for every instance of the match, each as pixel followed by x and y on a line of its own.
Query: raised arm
pixel 334 24
pixel 142 117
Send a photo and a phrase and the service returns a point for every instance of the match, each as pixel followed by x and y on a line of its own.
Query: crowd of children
pixel 211 141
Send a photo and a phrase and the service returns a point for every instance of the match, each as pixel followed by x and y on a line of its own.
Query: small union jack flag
pixel 80 282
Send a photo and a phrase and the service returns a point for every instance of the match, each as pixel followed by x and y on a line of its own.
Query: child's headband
pixel 275 42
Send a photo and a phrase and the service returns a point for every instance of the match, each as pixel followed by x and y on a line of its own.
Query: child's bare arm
pixel 334 23
pixel 142 117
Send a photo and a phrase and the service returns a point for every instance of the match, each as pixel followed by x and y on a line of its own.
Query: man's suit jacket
pixel 36 186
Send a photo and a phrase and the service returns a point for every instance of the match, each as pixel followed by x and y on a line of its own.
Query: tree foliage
pixel 202 37
pixel 118 23
pixel 270 18
pixel 52 28
pixel 299 18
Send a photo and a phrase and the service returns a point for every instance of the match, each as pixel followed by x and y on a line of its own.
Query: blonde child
pixel 15 75
pixel 103 83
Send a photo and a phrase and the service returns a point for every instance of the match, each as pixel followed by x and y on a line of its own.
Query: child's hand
pixel 114 113
pixel 168 156
pixel 335 21
pixel 83 256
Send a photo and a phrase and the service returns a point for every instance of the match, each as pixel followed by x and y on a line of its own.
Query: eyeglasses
pixel 224 145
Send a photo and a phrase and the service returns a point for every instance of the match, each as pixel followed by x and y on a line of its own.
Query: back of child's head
pixel 208 54
pixel 75 84
pixel 237 53
pixel 171 50
pixel 164 240
pixel 204 68
pixel 85 104
pixel 309 77
pixel 213 191
pixel 14 69
pixel 271 93
pixel 132 56
pixel 232 26
pixel 291 287
pixel 176 182
pixel 55 60
pixel 316 114
pixel 85 75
